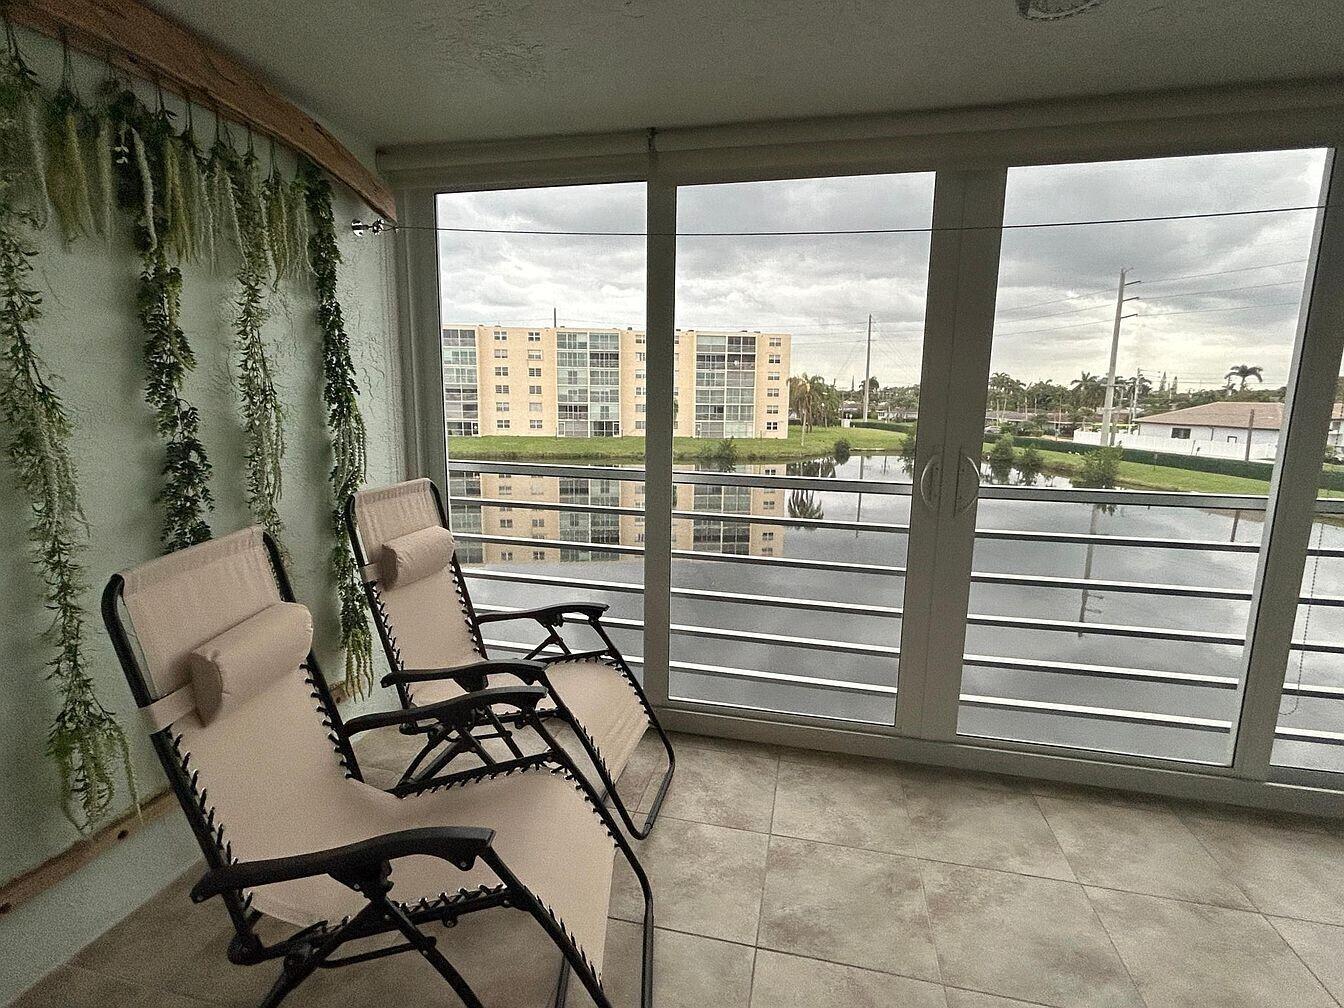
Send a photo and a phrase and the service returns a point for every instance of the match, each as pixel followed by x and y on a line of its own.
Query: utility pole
pixel 555 318
pixel 1134 395
pixel 1250 433
pixel 867 367
pixel 1108 409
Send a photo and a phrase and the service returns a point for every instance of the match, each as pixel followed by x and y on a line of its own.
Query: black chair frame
pixel 368 866
pixel 531 669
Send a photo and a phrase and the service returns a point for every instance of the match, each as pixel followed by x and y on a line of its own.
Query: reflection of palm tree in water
pixel 804 504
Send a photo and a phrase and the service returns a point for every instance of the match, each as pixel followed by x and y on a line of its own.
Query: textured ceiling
pixel 387 73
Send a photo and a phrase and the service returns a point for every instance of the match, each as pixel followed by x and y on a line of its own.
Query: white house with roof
pixel 1237 430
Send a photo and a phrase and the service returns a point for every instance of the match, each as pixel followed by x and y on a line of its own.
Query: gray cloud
pixel 1056 289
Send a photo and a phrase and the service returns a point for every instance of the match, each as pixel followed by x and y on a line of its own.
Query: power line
pixel 361 227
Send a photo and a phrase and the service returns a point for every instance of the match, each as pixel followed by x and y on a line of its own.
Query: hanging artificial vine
pixel 263 416
pixel 85 741
pixel 145 153
pixel 339 392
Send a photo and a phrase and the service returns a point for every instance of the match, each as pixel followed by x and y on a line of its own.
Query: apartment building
pixel 568 382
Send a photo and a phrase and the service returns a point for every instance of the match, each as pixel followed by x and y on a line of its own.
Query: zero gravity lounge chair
pixel 218 657
pixel 431 634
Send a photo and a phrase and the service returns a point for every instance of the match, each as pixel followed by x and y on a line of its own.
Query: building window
pixel 501 353
pixel 501 407
pixel 501 390
pixel 534 407
pixel 1231 439
pixel 767 537
pixel 775 341
pixel 639 376
pixel 639 390
pixel 534 337
pixel 641 407
pixel 639 425
pixel 641 357
pixel 501 336
pixel 534 372
pixel 774 358
pixel 538 523
pixel 772 411
pixel 772 393
pixel 534 424
pixel 538 554
pixel 1181 433
pixel 534 390
pixel 506 554
pixel 534 355
pixel 506 523
pixel 773 376
pixel 639 339
pixel 501 425
pixel 501 372
pixel 772 425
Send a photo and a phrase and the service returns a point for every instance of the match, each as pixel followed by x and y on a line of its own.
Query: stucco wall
pixel 90 336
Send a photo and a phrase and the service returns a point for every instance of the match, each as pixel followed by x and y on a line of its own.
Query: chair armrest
pixel 525 698
pixel 459 844
pixel 552 615
pixel 527 671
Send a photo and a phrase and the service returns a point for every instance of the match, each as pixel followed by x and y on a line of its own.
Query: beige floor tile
pixel 1190 954
pixel 1033 939
pixel 857 803
pixel 706 880
pixel 785 981
pixel 689 971
pixel 1139 849
pixel 958 998
pixel 725 786
pixel 1289 867
pixel 1320 946
pixel 983 828
pixel 72 987
pixel 860 908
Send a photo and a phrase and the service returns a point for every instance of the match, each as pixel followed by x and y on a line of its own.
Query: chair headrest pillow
pixel 242 661
pixel 409 558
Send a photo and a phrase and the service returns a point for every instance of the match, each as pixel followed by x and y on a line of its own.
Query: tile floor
pixel 789 879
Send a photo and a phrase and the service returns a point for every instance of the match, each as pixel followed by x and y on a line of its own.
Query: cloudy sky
pixel 1215 292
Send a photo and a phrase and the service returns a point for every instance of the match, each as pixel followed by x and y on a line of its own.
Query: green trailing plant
pixel 276 196
pixel 195 195
pixel 340 394
pixel 26 153
pixel 220 199
pixel 185 496
pixel 263 416
pixel 85 741
pixel 298 223
pixel 68 185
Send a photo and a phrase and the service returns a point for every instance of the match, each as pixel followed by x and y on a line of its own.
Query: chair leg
pixel 428 948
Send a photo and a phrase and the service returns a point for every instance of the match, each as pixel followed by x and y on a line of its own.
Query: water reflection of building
pixel 561 524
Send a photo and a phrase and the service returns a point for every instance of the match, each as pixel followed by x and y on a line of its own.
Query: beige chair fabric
pixel 233 667
pixel 276 783
pixel 430 624
pixel 416 555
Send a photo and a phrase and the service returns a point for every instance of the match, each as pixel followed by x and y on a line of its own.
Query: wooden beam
pixel 36 880
pixel 145 43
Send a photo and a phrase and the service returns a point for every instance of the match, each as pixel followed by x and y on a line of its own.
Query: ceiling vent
pixel 1053 10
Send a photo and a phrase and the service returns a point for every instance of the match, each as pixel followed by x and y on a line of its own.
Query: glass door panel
pixel 1123 477
pixel 543 370
pixel 791 509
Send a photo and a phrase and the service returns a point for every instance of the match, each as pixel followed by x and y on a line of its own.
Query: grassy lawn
pixel 815 444
pixel 1139 476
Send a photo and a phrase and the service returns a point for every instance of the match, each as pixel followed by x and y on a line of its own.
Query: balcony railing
pixel 782 675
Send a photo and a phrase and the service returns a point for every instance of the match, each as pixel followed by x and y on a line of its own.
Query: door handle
pixel 932 468
pixel 966 462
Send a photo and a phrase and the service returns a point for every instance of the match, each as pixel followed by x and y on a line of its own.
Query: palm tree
pixel 1088 387
pixel 802 399
pixel 1244 371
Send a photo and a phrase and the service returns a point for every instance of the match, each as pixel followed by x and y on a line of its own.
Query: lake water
pixel 1211 698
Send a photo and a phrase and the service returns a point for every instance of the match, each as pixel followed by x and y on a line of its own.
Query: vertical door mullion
pixel 660 294
pixel 1293 489
pixel 958 331
pixel 417 260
